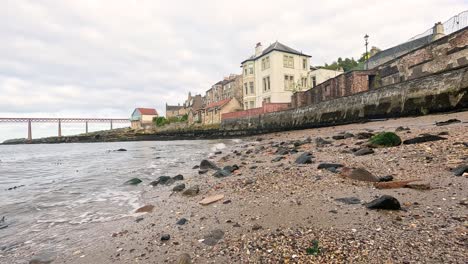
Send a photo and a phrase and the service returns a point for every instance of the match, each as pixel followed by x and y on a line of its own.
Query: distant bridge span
pixel 60 120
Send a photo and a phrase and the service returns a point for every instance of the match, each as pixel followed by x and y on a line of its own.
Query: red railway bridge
pixel 60 120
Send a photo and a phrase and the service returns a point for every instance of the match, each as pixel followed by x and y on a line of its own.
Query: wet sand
pixel 274 212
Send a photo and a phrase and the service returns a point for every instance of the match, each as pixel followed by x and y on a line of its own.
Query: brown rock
pixel 359 174
pixel 145 209
pixel 211 199
pixel 184 259
pixel 393 184
pixel 419 185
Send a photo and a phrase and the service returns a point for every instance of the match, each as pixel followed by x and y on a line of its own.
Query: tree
pixel 348 64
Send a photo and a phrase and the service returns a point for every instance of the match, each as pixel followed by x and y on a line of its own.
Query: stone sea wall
pixel 441 92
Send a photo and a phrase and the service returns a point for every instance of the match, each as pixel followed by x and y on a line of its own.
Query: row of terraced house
pixel 268 79
pixel 278 78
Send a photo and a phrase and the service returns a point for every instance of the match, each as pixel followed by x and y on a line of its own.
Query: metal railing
pixel 455 23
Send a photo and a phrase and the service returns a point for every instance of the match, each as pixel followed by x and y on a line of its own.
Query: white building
pixel 271 75
pixel 319 75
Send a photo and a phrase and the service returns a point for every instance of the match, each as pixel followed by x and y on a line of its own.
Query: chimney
pixel 437 31
pixel 258 49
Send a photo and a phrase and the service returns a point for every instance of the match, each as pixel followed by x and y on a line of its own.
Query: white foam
pixel 218 146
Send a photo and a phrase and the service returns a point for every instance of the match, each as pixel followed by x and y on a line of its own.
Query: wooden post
pixel 86 127
pixel 111 124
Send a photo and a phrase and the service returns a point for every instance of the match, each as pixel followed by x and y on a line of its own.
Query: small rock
pixel 133 181
pixel 386 178
pixel 232 168
pixel 282 151
pixel 359 174
pixel 192 191
pixel 207 165
pixel 400 128
pixel 448 122
pixel 145 209
pixel 179 177
pixel 253 167
pixel 211 199
pixel 181 221
pixel 165 237
pixel 139 219
pixel 213 237
pixel 184 259
pixel 320 142
pixel 179 187
pixel 304 158
pixel 166 180
pixel 121 149
pixel 423 139
pixel 349 200
pixel 364 135
pixel 218 152
pixel 202 171
pixel 386 202
pixel 256 227
pixel 222 173
pixel 458 171
pixel 364 151
pixel 277 159
pixel 195 167
pixel 227 202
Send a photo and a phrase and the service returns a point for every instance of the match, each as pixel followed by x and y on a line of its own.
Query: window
pixel 251 69
pixel 252 104
pixel 246 88
pixel 304 82
pixel 304 64
pixel 251 85
pixel 288 61
pixel 288 82
pixel 245 71
pixel 314 81
pixel 267 100
pixel 266 83
pixel 265 63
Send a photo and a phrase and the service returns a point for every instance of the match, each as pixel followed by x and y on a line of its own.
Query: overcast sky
pixel 102 58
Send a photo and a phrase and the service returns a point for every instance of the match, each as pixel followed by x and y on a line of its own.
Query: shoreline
pixel 273 211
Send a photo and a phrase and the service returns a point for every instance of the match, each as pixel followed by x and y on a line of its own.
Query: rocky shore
pixel 328 195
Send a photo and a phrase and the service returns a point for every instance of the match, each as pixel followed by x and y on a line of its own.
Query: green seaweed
pixel 385 139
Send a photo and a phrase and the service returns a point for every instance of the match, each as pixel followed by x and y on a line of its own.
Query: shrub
pixel 385 139
pixel 160 121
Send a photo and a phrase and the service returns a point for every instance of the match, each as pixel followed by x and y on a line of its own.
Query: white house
pixel 319 75
pixel 272 74
pixel 143 117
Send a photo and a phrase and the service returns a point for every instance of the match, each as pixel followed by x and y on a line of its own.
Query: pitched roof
pixel 147 111
pixel 278 47
pixel 218 104
pixel 173 107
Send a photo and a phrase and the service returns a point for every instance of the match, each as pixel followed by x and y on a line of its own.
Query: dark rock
pixel 282 151
pixel 184 259
pixel 400 128
pixel 165 237
pixel 139 219
pixel 232 168
pixel 422 139
pixel 46 259
pixel 443 133
pixel 166 180
pixel 192 191
pixel 349 200
pixel 386 202
pixel 329 166
pixel 121 149
pixel 338 137
pixel 227 202
pixel 179 187
pixel 207 165
pixel 448 122
pixel 202 171
pixel 359 174
pixel 458 171
pixel 213 237
pixel 195 167
pixel 181 221
pixel 277 159
pixel 3 223
pixel 179 177
pixel 218 152
pixel 222 173
pixel 364 135
pixel 133 181
pixel 387 178
pixel 253 167
pixel 320 142
pixel 364 151
pixel 256 227
pixel 145 209
pixel 343 135
pixel 304 158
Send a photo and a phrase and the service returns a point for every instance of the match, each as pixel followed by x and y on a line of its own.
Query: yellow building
pixel 272 74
